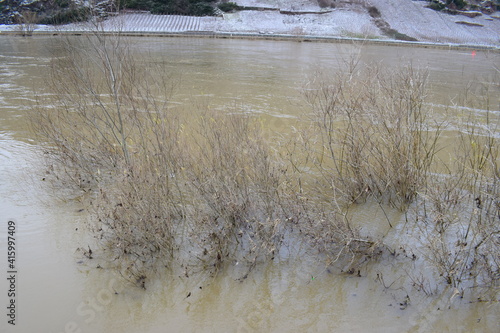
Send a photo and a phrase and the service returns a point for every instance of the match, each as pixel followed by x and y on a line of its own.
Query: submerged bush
pixel 375 139
pixel 204 191
pixel 164 187
pixel 462 209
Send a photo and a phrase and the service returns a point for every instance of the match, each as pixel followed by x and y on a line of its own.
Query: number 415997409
pixel 11 244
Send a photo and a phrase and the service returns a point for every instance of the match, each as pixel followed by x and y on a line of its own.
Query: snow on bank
pixel 294 5
pixel 413 19
pixel 347 19
pixel 338 23
pixel 351 18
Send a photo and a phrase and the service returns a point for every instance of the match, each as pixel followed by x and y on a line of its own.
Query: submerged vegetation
pixel 206 190
pixel 376 140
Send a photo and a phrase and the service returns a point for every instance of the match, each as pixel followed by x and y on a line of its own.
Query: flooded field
pixel 61 288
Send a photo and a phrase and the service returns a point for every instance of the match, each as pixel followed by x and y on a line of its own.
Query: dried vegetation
pixel 209 189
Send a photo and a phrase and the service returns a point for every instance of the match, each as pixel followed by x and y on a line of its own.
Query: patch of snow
pixel 296 5
pixel 348 19
pixel 334 23
pixel 413 19
pixel 27 2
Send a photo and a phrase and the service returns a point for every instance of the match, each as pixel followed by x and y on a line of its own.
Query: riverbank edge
pixel 265 36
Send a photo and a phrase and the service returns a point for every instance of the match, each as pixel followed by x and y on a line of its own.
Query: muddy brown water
pixel 58 290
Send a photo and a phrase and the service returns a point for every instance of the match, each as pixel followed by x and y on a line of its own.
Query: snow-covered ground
pixel 347 19
pixel 408 17
pixel 413 19
pixel 336 23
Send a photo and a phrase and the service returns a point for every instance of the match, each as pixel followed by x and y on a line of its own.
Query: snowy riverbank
pixel 407 20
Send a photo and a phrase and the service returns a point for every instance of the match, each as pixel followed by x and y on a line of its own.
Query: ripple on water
pixel 17 160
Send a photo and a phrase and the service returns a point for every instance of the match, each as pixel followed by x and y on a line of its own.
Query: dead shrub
pixel 375 136
pixel 215 189
pixel 105 124
pixel 202 192
pixel 460 213
pixel 27 21
pixel 239 188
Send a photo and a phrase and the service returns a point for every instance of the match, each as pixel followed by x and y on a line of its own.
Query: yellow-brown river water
pixel 58 290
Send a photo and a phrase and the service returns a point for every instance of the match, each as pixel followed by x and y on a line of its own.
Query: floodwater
pixel 58 290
